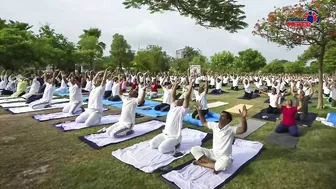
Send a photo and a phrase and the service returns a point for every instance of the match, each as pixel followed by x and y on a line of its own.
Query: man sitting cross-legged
pixel 171 137
pixel 128 113
pixel 219 158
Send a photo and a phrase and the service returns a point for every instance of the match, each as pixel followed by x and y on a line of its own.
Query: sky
pixel 140 28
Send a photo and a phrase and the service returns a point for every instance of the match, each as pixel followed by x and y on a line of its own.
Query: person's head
pixel 115 79
pixel 225 118
pixel 168 85
pixel 133 93
pixel 98 82
pixel 246 81
pixel 135 81
pixel 218 80
pixel 154 81
pixel 274 90
pixel 74 80
pixel 179 102
pixel 289 103
pixel 300 86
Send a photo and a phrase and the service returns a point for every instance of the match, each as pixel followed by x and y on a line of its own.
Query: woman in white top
pixel 94 112
pixel 35 85
pixel 235 81
pixel 201 99
pixel 88 85
pixel 115 89
pixel 108 86
pixel 47 94
pixel 258 84
pixel 167 89
pixel 64 87
pixel 248 89
pixel 75 96
pixel 225 80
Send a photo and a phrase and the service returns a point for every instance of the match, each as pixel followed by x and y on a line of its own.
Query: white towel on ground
pixel 143 157
pixel 29 109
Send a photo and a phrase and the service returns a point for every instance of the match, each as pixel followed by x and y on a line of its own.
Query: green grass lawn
pixel 35 155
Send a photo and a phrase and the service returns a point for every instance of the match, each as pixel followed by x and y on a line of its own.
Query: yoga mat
pixel 72 125
pixel 254 95
pixel 268 101
pixel 29 109
pixel 15 100
pixel 235 109
pixel 210 117
pixel 158 99
pixel 4 97
pixel 56 115
pixel 148 104
pixel 223 92
pixel 23 104
pixel 284 140
pixel 252 126
pixel 146 159
pixel 308 121
pixel 111 103
pixel 217 104
pixel 263 115
pixel 190 176
pixel 100 140
pixel 331 117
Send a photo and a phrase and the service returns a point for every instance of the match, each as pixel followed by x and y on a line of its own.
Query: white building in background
pixel 180 53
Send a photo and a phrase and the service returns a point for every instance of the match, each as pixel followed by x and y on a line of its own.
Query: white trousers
pixel 222 162
pixel 39 104
pixel 153 95
pixel 164 143
pixel 119 129
pixel 27 95
pixel 90 117
pixel 72 108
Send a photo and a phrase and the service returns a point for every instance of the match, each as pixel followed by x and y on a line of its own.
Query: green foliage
pixel 226 14
pixel 222 61
pixel 276 66
pixel 249 60
pixel 152 59
pixel 121 52
pixel 294 67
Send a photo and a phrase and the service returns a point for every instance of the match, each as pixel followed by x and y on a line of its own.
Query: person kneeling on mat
pixel 272 107
pixel 167 89
pixel 305 96
pixel 47 94
pixel 218 89
pixel 248 89
pixel 171 137
pixel 219 158
pixel 126 122
pixel 94 112
pixel 287 123
pixel 201 98
pixel 115 89
pixel 75 96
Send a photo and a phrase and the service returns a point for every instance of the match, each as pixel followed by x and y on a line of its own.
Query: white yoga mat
pixel 4 97
pixel 23 104
pixel 192 176
pixel 56 115
pixel 217 104
pixel 7 100
pixel 146 159
pixel 100 140
pixel 29 109
pixel 72 125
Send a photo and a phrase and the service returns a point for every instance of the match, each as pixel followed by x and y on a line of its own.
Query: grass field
pixel 35 155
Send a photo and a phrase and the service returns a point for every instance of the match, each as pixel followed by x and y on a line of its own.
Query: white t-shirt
pixel 75 93
pixel 174 121
pixel 96 98
pixel 268 82
pixel 166 95
pixel 272 98
pixel 225 79
pixel 222 139
pixel 333 93
pixel 88 86
pixel 128 110
pixel 115 89
pixel 63 84
pixel 140 91
pixel 258 84
pixel 235 82
pixel 282 86
pixel 48 93
pixel 201 98
pixel 248 88
pixel 218 85
pixel 35 86
pixel 108 86
pixel 212 81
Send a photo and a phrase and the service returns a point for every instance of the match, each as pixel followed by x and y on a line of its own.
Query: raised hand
pixel 243 113
pixel 198 106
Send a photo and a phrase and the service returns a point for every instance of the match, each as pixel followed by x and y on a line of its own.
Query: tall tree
pixel 249 60
pixel 152 59
pixel 226 14
pixel 222 61
pixel 275 66
pixel 121 52
pixel 319 31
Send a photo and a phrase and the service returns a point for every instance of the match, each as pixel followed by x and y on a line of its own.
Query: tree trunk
pixel 320 103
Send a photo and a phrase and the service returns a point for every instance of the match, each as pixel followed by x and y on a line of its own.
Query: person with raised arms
pixel 235 81
pixel 94 112
pixel 34 88
pixel 219 158
pixel 4 80
pixel 248 93
pixel 75 95
pixel 47 93
pixel 126 122
pixel 272 107
pixel 167 89
pixel 117 81
pixel 108 86
pixel 304 94
pixel 201 98
pixel 21 88
pixel 171 137
pixel 88 77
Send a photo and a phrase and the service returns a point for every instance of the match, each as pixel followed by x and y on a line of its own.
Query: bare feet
pixel 215 172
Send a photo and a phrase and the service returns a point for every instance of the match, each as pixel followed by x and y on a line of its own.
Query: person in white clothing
pixel 126 122
pixel 89 78
pixel 48 92
pixel 35 85
pixel 273 96
pixel 4 80
pixel 219 158
pixel 64 81
pixel 235 81
pixel 201 98
pixel 108 86
pixel 75 96
pixel 218 88
pixel 171 137
pixel 115 89
pixel 167 89
pixel 94 112
pixel 248 89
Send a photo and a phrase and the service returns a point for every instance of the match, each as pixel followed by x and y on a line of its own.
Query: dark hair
pixel 228 115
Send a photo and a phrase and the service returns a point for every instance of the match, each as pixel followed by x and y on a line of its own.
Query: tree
pixel 226 14
pixel 293 67
pixel 317 32
pixel 89 46
pixel 202 61
pixel 275 66
pixel 222 61
pixel 121 52
pixel 249 60
pixel 152 59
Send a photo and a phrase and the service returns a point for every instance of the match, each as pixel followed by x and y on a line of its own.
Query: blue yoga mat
pixel 332 118
pixel 151 113
pixel 112 103
pixel 211 117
